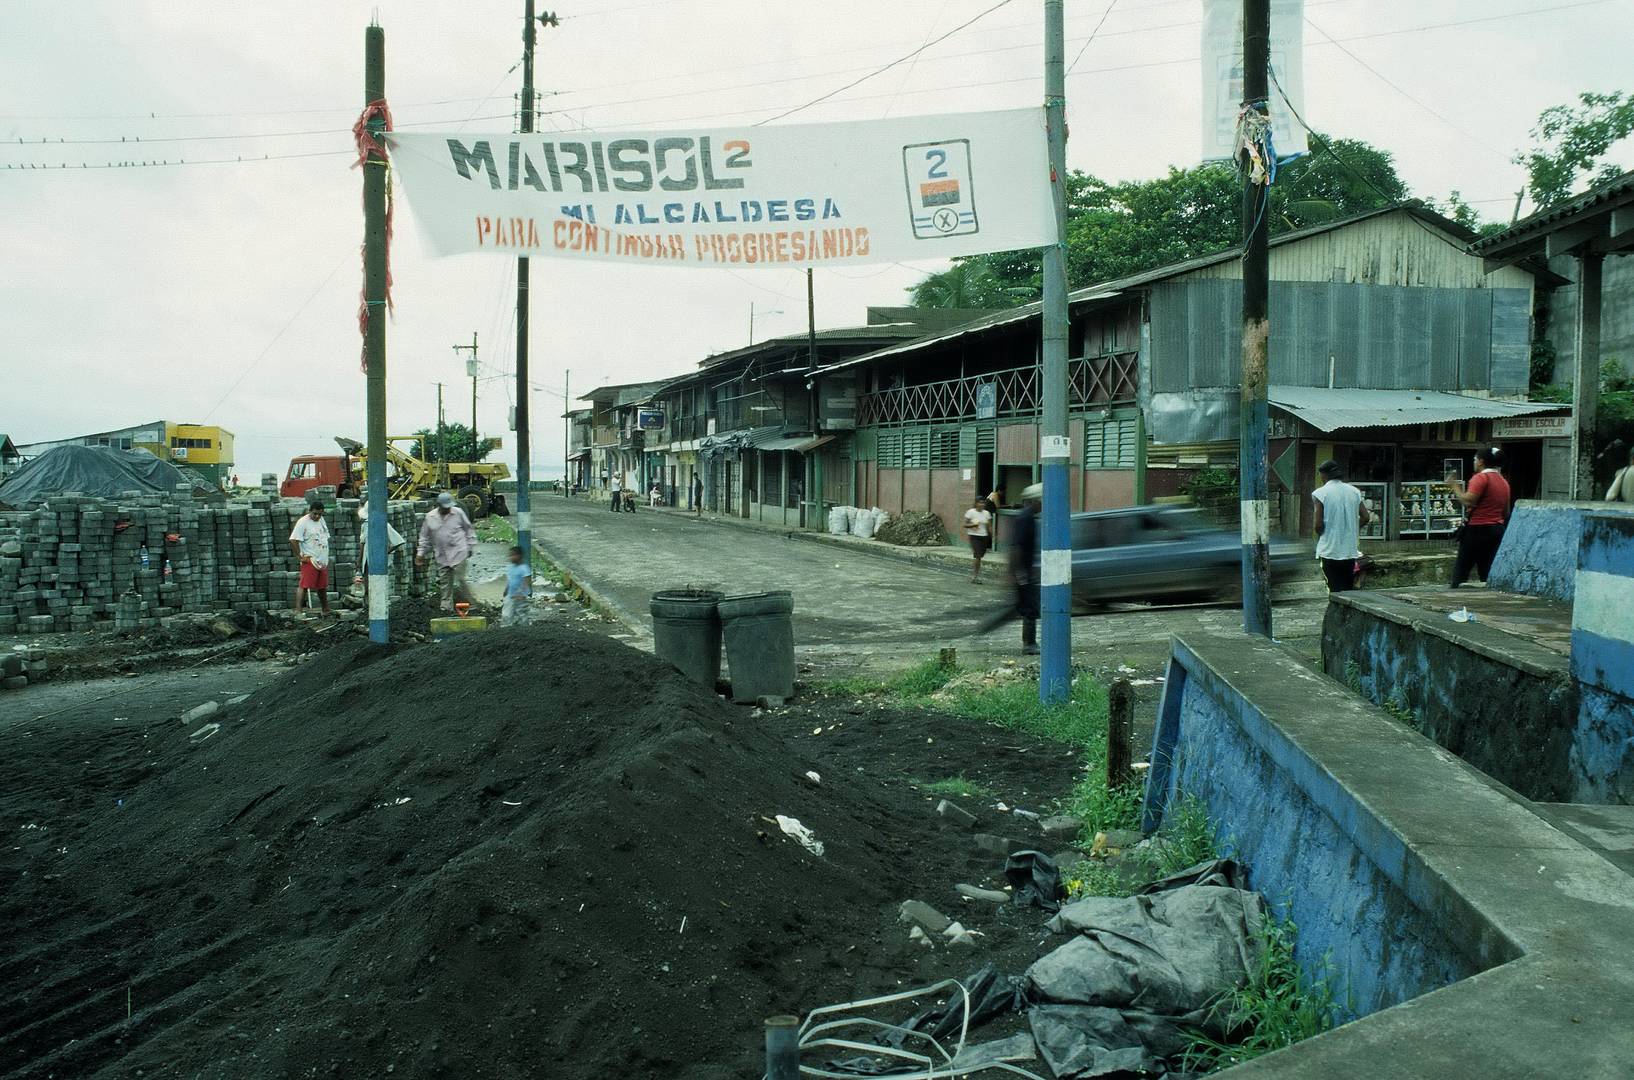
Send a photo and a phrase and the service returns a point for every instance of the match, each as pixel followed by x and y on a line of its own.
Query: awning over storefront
pixel 807 445
pixel 1333 409
pixel 783 442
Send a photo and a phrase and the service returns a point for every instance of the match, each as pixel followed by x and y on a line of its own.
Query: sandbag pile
pixel 78 562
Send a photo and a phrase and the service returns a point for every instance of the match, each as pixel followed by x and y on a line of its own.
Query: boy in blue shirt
pixel 518 590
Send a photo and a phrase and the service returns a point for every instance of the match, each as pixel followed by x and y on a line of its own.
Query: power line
pixel 240 160
pixel 1087 41
pixel 887 67
pixel 313 295
pixel 155 140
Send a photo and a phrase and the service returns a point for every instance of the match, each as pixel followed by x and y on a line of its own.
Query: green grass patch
pixel 1279 1006
pixel 1185 839
pixel 956 786
pixel 496 529
pixel 1079 721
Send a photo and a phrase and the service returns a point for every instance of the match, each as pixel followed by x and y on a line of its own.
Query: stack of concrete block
pixel 77 563
pixel 21 666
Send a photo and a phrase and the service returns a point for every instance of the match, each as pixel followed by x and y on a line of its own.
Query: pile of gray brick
pixel 21 666
pixel 83 563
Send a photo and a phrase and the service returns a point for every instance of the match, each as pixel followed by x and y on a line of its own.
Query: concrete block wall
pixel 1498 942
pixel 1539 552
pixel 1273 813
pixel 1603 658
pixel 75 563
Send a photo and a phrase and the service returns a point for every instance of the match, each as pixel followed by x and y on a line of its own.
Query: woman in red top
pixel 1487 501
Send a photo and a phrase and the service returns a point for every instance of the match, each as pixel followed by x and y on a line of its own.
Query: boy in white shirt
pixel 978 526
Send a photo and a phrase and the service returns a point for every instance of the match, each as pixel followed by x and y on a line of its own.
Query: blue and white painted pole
pixel 1055 534
pixel 1252 447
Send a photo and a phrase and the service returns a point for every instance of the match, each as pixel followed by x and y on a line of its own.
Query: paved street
pixel 851 609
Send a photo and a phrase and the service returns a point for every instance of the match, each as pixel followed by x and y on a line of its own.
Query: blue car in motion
pixel 1162 554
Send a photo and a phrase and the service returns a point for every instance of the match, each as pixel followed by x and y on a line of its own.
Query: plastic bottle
pixel 144 557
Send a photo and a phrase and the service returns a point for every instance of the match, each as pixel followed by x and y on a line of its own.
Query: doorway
pixel 984 473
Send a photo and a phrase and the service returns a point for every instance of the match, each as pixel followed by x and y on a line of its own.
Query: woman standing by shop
pixel 1486 499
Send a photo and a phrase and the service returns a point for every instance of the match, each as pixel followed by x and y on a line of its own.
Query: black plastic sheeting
pixel 100 471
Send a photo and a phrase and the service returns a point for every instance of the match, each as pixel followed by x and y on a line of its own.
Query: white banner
pixel 1223 76
pixel 801 194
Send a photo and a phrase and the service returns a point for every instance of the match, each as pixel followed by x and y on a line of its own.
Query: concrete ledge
pixel 1476 637
pixel 1539 925
pixel 1539 551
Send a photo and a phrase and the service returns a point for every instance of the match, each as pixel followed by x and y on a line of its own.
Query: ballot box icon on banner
pixel 941 198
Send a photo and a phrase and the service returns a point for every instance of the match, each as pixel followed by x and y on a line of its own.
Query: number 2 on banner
pixel 941 198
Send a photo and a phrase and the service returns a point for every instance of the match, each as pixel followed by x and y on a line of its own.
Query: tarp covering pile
pixel 1138 980
pixel 99 471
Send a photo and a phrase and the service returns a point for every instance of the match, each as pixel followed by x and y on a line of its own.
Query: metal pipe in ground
pixel 783 1048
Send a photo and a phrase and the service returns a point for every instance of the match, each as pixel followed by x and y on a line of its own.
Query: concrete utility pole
pixel 374 337
pixel 1586 375
pixel 1055 542
pixel 1254 421
pixel 567 431
pixel 524 513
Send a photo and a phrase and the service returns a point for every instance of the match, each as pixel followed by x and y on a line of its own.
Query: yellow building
pixel 205 448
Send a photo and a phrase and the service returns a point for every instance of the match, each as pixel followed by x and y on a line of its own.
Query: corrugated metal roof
pixel 1331 409
pixel 1596 200
pixel 1109 289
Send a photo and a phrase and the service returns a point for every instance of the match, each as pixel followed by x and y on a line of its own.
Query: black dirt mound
pixel 518 854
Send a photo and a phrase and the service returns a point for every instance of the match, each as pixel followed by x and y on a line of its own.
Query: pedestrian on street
pixel 1024 565
pixel 1622 485
pixel 1486 501
pixel 697 494
pixel 1341 514
pixel 447 535
pixel 394 544
pixel 516 610
pixel 618 493
pixel 309 542
pixel 978 526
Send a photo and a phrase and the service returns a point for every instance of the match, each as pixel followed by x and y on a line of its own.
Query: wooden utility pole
pixel 1254 421
pixel 1586 375
pixel 442 441
pixel 567 431
pixel 471 369
pixel 374 335
pixel 1055 537
pixel 524 472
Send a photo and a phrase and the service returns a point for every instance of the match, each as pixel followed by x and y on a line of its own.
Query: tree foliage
pixel 1571 140
pixel 456 437
pixel 1114 230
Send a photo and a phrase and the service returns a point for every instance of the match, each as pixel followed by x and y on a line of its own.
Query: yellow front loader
pixel 409 477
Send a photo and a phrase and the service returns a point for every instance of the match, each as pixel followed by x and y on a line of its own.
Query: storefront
pixel 1401 464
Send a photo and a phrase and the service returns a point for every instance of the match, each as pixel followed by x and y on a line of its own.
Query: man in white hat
pixel 448 536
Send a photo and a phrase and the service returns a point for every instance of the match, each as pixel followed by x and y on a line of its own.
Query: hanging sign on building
pixel 649 419
pixel 1223 77
pixel 781 195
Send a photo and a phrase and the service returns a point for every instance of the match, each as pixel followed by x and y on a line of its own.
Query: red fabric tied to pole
pixel 367 145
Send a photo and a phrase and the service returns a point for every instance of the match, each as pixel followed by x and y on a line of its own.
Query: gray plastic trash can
pixel 759 633
pixel 686 631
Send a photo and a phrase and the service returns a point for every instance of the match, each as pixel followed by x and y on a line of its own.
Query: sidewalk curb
pixel 944 563
pixel 611 607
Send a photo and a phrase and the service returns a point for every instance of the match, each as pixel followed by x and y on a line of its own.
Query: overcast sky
pixel 227 293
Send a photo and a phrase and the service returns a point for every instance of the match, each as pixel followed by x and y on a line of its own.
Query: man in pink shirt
pixel 448 536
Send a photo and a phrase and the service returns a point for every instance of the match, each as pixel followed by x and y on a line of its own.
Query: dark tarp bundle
pixel 98 471
pixel 1035 878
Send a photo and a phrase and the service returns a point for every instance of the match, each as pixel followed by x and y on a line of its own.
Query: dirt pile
pixel 525 853
pixel 914 528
